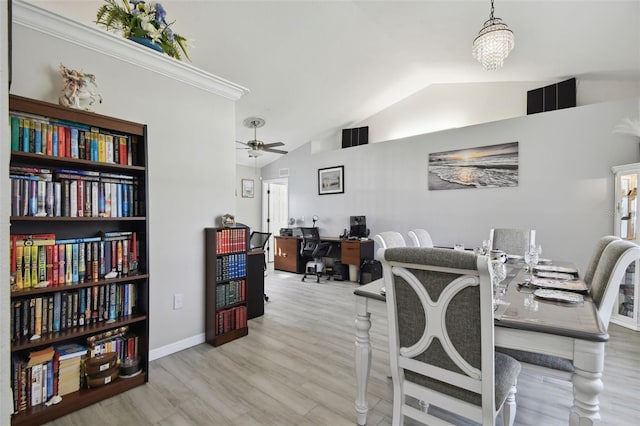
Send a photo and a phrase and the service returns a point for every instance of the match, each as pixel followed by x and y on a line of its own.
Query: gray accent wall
pixel 565 188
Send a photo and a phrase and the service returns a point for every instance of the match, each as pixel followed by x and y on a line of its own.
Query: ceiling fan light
pixel 493 43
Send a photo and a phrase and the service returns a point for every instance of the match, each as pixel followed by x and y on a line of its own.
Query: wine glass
pixel 531 258
pixel 498 272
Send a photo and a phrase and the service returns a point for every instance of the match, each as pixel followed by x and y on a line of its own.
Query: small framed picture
pixel 247 188
pixel 331 180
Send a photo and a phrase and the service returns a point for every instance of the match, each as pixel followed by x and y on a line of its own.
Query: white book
pixel 109 148
pixel 36 384
pixel 107 199
pixel 41 196
pixel 95 212
pixel 115 200
pixel 73 198
pixel 57 199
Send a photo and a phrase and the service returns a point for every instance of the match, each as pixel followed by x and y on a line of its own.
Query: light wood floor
pixel 296 367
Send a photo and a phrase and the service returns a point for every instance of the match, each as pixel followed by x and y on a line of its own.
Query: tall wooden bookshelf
pixel 121 228
pixel 226 284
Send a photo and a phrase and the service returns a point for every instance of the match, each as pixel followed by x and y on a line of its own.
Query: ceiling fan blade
pixel 276 151
pixel 242 143
pixel 271 145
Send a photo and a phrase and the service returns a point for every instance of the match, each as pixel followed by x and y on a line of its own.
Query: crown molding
pixel 33 17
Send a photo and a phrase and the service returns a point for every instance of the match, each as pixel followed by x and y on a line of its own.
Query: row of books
pixel 230 293
pixel 58 138
pixel 54 370
pixel 41 260
pixel 73 193
pixel 231 319
pixel 231 240
pixel 231 266
pixel 124 344
pixel 36 317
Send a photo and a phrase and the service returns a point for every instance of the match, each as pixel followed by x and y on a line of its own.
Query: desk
pixel 573 332
pixel 287 252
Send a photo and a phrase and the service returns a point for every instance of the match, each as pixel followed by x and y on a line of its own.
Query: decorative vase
pixel 147 42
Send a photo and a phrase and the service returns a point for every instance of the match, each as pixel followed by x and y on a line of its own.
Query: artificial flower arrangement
pixel 136 18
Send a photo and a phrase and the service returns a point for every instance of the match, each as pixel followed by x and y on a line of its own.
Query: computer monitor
pixel 358 227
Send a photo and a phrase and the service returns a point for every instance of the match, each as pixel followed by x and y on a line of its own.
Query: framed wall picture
pixel 331 180
pixel 247 188
pixel 491 166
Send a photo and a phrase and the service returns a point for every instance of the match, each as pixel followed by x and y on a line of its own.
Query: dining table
pixel 573 331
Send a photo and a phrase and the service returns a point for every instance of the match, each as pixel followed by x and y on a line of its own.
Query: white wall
pixel 191 138
pixel 249 209
pixel 565 190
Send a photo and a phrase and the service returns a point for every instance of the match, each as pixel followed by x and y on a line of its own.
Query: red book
pixel 61 263
pixel 62 143
pixel 56 266
pixel 81 190
pixel 50 130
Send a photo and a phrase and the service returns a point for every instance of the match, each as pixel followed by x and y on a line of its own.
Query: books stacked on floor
pixel 69 357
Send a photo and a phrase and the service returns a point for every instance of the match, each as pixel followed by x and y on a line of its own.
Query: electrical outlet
pixel 177 301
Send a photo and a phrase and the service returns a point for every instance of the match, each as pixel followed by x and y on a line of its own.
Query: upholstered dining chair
pixel 512 241
pixel 389 239
pixel 441 338
pixel 605 284
pixel 420 238
pixel 601 244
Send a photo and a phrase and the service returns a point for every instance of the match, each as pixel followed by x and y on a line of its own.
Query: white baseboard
pixel 176 347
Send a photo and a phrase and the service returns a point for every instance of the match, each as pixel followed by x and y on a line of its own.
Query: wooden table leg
pixel 363 357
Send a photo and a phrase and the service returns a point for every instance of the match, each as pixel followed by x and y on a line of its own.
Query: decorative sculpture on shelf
pixel 80 89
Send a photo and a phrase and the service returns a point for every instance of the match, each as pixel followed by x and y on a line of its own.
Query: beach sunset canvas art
pixel 480 167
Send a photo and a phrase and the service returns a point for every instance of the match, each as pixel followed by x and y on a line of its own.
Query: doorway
pixel 275 209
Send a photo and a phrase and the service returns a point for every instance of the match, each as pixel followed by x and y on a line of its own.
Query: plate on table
pixel 559 296
pixel 543 260
pixel 515 258
pixel 556 268
pixel 569 285
pixel 556 275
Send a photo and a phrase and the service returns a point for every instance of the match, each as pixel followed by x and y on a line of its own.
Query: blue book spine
pixel 33 198
pixel 54 138
pixel 101 197
pixel 82 304
pixel 25 137
pixel 57 305
pixel 125 200
pixel 74 143
pixel 94 149
pixel 74 262
pixel 49 379
pixel 38 140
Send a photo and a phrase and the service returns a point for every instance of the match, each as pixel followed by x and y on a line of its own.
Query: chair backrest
pixel 389 239
pixel 611 269
pixel 595 256
pixel 258 240
pixel 512 241
pixel 420 238
pixel 441 340
pixel 310 240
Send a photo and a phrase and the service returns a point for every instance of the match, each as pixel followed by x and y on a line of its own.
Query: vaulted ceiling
pixel 315 67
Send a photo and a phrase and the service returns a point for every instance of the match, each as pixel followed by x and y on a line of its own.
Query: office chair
pixel 314 248
pixel 257 241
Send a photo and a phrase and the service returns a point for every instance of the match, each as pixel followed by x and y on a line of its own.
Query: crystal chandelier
pixel 493 44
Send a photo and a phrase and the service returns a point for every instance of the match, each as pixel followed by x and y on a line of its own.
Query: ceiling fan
pixel 254 147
